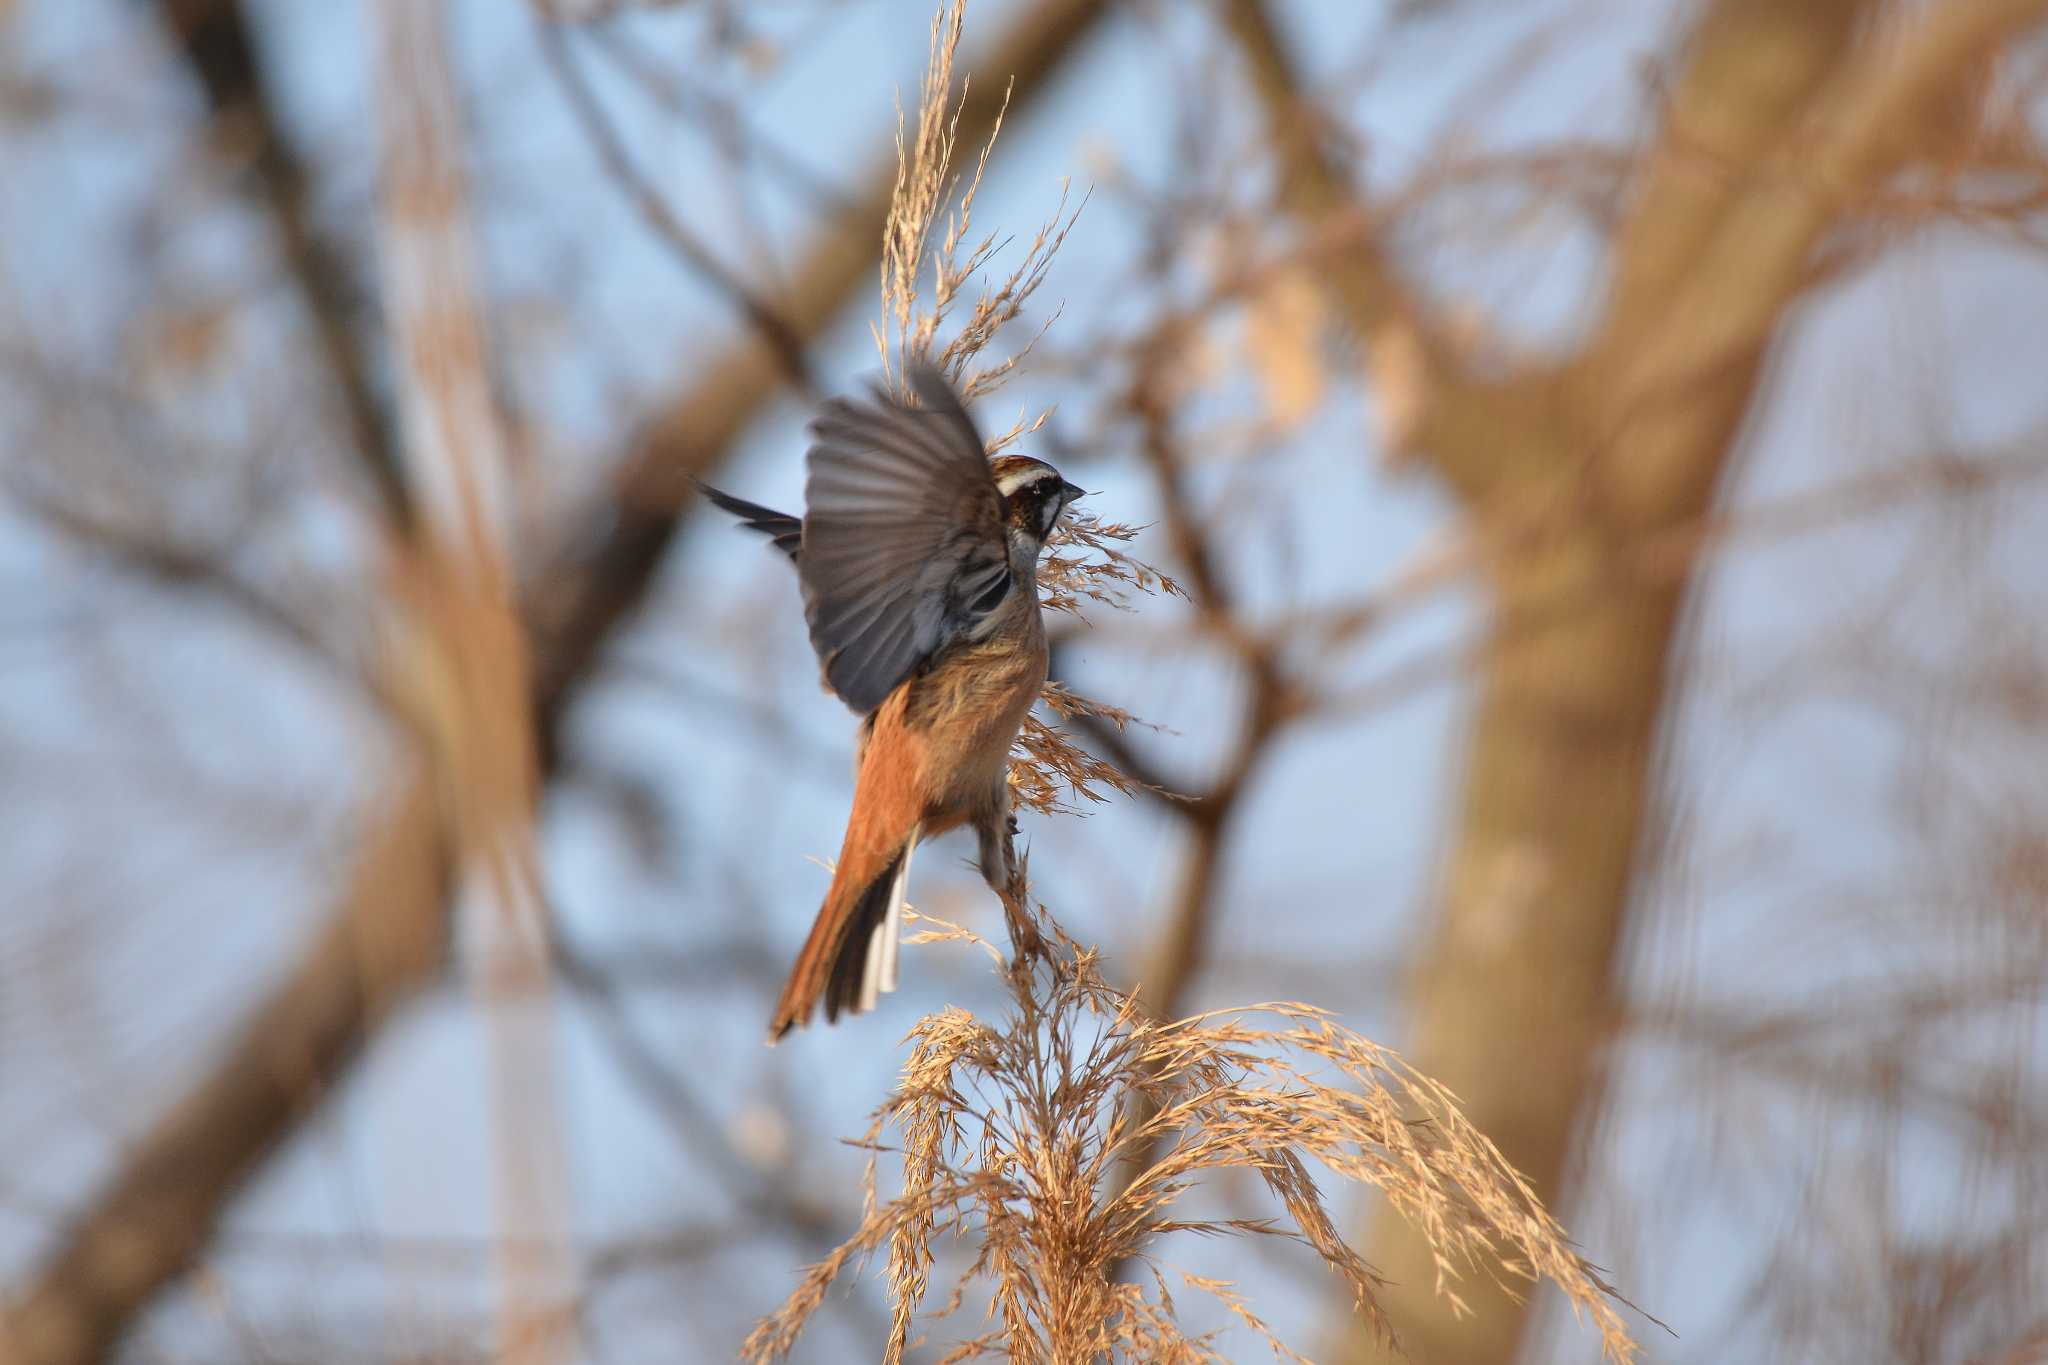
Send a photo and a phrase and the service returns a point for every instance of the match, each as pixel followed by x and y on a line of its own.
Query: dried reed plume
pixel 1081 564
pixel 925 184
pixel 1018 1137
pixel 1013 1135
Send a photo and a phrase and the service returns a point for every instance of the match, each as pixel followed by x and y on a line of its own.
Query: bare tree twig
pixel 1403 341
pixel 388 939
pixel 171 563
pixel 676 93
pixel 668 227
pixel 642 1063
pixel 214 36
pixel 764 1199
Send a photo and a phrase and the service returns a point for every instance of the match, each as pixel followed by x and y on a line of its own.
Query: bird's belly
pixel 970 707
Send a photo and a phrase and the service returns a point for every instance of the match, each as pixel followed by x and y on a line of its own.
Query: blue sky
pixel 1791 797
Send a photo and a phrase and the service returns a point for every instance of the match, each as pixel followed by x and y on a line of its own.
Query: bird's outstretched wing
pixel 784 532
pixel 903 546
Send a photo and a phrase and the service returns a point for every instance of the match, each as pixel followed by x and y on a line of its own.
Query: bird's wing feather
pixel 902 536
pixel 784 531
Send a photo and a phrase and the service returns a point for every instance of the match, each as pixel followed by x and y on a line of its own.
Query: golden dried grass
pixel 1012 1136
pixel 925 185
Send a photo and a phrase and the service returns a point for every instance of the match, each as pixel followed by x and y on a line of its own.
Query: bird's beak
pixel 1072 490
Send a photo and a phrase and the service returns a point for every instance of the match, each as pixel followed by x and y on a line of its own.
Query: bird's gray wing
pixel 784 531
pixel 903 545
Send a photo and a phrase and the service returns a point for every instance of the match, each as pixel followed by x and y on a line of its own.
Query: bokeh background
pixel 1601 441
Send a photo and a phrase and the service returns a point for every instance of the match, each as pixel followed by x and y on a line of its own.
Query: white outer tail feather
pixel 878 972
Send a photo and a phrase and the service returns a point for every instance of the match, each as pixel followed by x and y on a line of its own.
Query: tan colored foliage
pixel 1011 1134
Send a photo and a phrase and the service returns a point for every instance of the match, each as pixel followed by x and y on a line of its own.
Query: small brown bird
pixel 918 557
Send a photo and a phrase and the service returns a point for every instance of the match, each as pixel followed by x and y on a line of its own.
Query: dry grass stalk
pixel 1082 564
pixel 1048 773
pixel 925 183
pixel 1012 1133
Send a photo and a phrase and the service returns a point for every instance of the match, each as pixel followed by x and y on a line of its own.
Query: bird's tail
pixel 850 958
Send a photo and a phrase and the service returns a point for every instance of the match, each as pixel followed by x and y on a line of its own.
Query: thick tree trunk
pixel 1783 120
pixel 1513 996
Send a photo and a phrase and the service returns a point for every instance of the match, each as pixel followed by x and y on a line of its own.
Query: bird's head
pixel 1035 497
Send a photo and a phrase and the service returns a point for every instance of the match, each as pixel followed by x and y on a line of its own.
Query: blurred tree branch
pixel 764 1196
pixel 1269 705
pixel 216 42
pixel 1403 343
pixel 156 1217
pixel 388 934
pixel 664 222
pixel 461 662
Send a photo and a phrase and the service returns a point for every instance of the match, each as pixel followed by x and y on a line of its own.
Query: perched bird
pixel 918 559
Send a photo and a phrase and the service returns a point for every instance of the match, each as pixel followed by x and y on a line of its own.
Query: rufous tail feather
pixel 849 960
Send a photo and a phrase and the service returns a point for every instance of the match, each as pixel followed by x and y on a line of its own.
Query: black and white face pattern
pixel 1035 497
